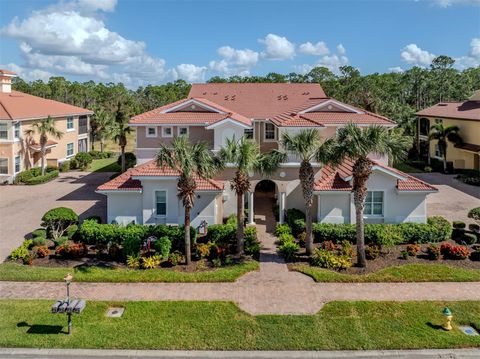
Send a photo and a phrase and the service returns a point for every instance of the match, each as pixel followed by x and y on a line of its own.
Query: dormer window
pixel 269 133
pixel 151 132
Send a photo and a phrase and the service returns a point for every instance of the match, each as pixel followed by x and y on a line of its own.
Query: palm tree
pixel 101 125
pixel 357 143
pixel 44 128
pixel 189 160
pixel 305 145
pixel 443 135
pixel 120 129
pixel 246 156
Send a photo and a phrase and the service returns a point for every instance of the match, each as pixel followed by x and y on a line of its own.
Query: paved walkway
pixel 271 290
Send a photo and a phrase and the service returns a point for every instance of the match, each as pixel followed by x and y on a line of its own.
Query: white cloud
pixel 94 5
pixel 473 57
pixel 277 48
pixel 412 54
pixel 303 69
pixel 396 69
pixel 190 72
pixel 234 62
pixel 341 50
pixel 28 74
pixel 320 48
pixel 333 62
pixel 448 3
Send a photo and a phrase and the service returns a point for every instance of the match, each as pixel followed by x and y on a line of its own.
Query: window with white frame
pixel 248 133
pixel 18 164
pixel 151 132
pixel 161 203
pixel 183 131
pixel 16 130
pixel 4 166
pixel 3 131
pixel 167 132
pixel 70 149
pixel 70 125
pixel 373 203
pixel 269 131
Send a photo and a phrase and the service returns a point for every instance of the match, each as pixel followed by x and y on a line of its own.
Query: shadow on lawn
pixel 435 326
pixel 41 328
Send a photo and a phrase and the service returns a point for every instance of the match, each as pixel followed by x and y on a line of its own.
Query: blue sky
pixel 141 42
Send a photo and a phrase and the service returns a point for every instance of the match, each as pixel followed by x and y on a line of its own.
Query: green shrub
pixel 83 159
pixel 92 232
pixel 372 251
pixel 23 176
pixel 175 257
pixel 60 241
pixel 296 220
pixel 163 246
pixel 433 252
pixel 65 166
pixel 474 213
pixel 251 242
pixel 459 224
pixel 469 238
pixel 281 229
pixel 441 227
pixel 413 249
pixel 57 220
pixel 39 241
pixel 286 237
pixel 131 238
pixel 130 160
pixel 151 262
pixel 232 220
pixel 335 232
pixel 97 219
pixel 73 164
pixel 19 253
pixel 330 260
pixel 40 232
pixel 288 250
pixel 475 255
pixel 42 179
pixel 71 231
pixel 474 227
pixel 222 234
pixel 133 262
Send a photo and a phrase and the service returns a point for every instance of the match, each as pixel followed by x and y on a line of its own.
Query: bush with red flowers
pixel 413 249
pixel 75 250
pixel 41 251
pixel 450 251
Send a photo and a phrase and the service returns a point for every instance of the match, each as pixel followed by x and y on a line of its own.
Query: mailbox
pixel 80 306
pixel 72 305
pixel 56 305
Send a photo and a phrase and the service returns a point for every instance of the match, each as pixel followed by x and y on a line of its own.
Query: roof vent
pixel 226 98
pixel 279 97
pixel 215 93
pixel 285 97
pixel 233 98
pixel 205 93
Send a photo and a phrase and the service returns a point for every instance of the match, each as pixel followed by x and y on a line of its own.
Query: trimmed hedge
pixel 224 235
pixel 42 179
pixel 295 218
pixel 131 236
pixel 437 229
pixel 33 176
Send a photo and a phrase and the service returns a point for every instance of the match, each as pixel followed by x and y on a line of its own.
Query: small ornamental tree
pixel 474 214
pixel 83 159
pixel 57 221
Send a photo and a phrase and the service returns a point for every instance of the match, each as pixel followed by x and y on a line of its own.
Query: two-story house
pixel 465 115
pixel 17 113
pixel 262 111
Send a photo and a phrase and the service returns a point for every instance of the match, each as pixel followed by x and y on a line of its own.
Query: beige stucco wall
pixel 470 133
pixel 195 134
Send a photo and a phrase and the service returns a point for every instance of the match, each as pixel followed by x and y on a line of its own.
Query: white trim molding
pixel 194 102
pixel 227 120
pixel 330 102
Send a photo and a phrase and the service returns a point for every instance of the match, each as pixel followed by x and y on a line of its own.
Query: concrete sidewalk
pixel 177 354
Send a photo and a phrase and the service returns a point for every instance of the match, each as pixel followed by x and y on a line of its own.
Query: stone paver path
pixel 271 290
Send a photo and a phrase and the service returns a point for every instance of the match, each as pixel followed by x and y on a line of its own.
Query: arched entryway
pixel 265 202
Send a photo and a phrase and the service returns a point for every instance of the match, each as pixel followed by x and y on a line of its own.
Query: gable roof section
pixel 21 106
pixel 257 100
pixel 169 115
pixel 468 110
pixel 131 179
pixel 332 179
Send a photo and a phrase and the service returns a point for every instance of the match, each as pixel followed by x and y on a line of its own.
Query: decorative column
pixel 281 209
pixel 251 215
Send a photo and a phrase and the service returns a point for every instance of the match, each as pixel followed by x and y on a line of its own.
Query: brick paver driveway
pixel 21 207
pixel 454 198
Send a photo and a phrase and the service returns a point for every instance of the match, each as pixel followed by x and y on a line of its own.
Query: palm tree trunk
pixel 123 158
pixel 101 144
pixel 308 229
pixel 188 254
pixel 445 162
pixel 360 229
pixel 42 154
pixel 307 179
pixel 240 220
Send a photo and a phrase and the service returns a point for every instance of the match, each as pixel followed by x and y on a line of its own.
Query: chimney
pixel 6 81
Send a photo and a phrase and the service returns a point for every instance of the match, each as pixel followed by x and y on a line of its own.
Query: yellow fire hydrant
pixel 448 315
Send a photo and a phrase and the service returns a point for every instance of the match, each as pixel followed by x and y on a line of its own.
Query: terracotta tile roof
pixel 257 100
pixel 36 146
pixel 20 106
pixel 468 147
pixel 331 179
pixel 366 118
pixel 7 72
pixel 468 110
pixel 156 116
pixel 129 181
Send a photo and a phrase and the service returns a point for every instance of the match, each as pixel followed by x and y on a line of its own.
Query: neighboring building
pixel 213 112
pixel 465 115
pixel 17 113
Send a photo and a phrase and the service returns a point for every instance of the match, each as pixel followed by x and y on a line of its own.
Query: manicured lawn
pixel 104 165
pixel 405 167
pixel 19 272
pixel 222 326
pixel 404 273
